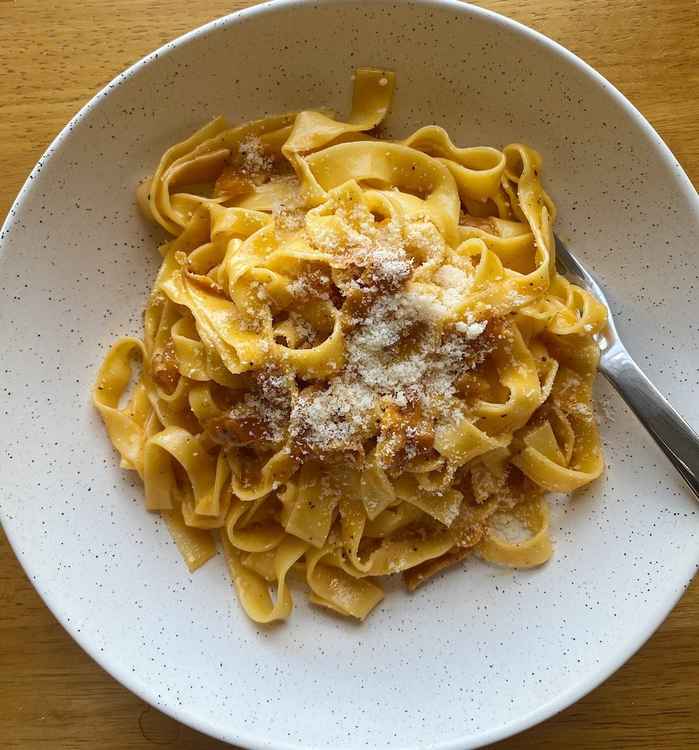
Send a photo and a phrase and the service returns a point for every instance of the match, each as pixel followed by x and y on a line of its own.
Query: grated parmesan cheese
pixel 253 157
pixel 401 347
pixel 472 330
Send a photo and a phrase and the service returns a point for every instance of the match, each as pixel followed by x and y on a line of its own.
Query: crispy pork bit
pixel 261 416
pixel 416 576
pixel 232 183
pixel 164 367
pixel 405 435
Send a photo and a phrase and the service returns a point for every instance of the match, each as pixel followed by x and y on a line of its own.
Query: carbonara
pixel 358 358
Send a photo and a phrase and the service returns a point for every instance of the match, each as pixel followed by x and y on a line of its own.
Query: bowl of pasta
pixel 318 419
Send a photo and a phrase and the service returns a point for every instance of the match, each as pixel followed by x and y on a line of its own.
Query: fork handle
pixel 675 437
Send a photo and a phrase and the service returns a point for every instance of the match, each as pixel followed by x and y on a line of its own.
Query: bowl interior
pixel 480 652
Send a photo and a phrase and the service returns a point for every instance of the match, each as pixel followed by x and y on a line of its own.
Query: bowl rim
pixel 129 679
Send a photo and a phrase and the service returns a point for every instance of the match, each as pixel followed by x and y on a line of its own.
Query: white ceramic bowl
pixel 477 655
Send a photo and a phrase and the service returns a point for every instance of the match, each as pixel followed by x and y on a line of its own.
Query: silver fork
pixel 675 437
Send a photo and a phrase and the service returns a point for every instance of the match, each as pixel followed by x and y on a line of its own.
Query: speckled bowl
pixel 480 653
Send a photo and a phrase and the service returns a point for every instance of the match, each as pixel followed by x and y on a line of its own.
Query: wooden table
pixel 56 55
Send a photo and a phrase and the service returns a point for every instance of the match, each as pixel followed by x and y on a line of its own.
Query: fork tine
pixel 567 261
pixel 571 268
pixel 560 256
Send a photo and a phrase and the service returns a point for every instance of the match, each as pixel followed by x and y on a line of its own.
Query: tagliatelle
pixel 358 357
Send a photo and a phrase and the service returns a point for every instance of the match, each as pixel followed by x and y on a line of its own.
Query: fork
pixel 673 435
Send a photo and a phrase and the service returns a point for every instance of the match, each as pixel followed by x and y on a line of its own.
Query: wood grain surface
pixel 54 56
